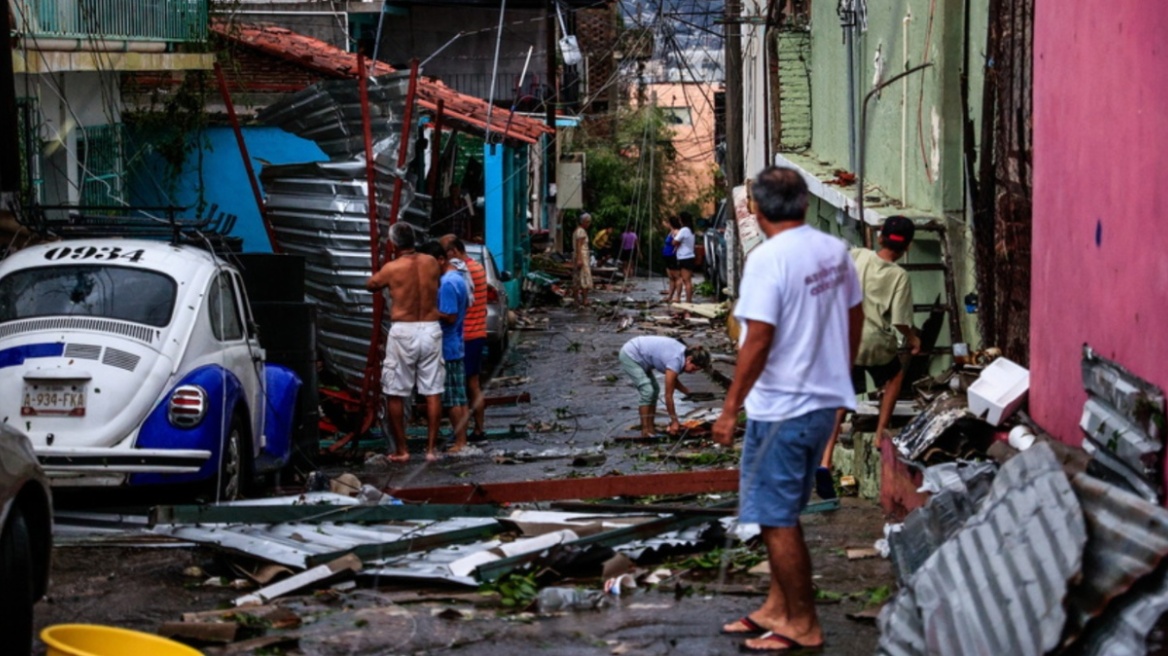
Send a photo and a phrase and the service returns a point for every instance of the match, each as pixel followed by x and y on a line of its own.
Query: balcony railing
pixel 176 21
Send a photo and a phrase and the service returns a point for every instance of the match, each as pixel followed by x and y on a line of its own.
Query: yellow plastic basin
pixel 94 640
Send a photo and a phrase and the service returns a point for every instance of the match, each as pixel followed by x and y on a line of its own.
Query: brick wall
pixel 596 32
pixel 795 89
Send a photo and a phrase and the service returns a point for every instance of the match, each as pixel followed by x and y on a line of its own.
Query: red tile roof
pixel 325 59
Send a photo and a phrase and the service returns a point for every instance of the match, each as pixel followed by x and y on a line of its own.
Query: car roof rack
pixel 155 223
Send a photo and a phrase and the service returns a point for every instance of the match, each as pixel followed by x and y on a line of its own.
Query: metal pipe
pixel 367 385
pixel 850 44
pixel 251 176
pixel 403 151
pixel 67 44
pixel 904 115
pixel 863 134
pixel 436 149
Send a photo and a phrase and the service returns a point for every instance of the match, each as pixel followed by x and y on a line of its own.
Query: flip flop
pixel 752 628
pixel 779 643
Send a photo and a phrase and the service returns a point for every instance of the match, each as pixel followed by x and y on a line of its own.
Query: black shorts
pixel 626 256
pixel 671 262
pixel 689 264
pixel 880 373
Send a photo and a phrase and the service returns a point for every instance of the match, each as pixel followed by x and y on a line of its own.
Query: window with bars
pixel 99 158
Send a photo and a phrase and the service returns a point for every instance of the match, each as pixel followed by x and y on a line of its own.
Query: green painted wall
pixel 932 113
pixel 935 180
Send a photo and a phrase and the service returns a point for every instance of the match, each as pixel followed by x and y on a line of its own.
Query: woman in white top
pixel 686 262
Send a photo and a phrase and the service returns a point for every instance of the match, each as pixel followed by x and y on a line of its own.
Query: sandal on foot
pixel 779 643
pixel 749 627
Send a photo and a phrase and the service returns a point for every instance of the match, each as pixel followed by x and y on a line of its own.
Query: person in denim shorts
pixel 799 304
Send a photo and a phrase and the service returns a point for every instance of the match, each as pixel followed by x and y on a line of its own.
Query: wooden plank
pixel 691 482
pixel 320 574
pixel 222 632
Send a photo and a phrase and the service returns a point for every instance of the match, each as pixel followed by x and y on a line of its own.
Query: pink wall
pixel 1100 270
pixel 695 142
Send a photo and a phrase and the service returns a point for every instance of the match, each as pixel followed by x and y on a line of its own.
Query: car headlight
pixel 188 406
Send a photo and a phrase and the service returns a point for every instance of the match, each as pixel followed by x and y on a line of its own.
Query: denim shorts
pixel 779 459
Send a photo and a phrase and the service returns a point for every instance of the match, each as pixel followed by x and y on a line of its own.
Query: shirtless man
pixel 413 352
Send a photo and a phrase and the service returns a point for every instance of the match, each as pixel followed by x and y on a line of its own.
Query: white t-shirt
pixel 802 282
pixel 685 243
pixel 656 353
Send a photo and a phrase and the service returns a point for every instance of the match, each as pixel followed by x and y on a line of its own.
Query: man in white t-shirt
pixel 799 304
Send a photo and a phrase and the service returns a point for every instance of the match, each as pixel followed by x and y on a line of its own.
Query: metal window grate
pixel 182 21
pixel 141 333
pixel 99 154
pixel 83 351
pixel 120 359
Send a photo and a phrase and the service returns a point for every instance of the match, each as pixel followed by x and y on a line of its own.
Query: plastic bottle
pixel 551 600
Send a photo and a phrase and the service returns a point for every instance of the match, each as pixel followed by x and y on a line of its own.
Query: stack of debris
pixel 1061 550
pixel 320 210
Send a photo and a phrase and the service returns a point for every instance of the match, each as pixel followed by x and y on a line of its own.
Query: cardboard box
pixel 999 391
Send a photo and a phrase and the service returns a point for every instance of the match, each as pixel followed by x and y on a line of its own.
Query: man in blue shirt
pixel 453 301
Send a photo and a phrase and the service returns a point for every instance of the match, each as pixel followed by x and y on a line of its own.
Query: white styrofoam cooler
pixel 998 392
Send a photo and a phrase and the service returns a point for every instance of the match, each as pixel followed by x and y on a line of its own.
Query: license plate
pixel 53 399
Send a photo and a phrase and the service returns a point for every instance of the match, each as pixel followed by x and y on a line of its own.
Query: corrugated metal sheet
pixel 1129 540
pixel 997 586
pixel 940 415
pixel 296 544
pixel 1126 626
pixel 320 211
pixel 329 113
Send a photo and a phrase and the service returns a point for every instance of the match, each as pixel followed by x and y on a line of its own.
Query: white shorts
pixel 413 356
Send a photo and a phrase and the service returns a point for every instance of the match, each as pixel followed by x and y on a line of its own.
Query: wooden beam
pixel 691 482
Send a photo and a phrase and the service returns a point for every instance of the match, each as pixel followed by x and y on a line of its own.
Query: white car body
pixel 96 338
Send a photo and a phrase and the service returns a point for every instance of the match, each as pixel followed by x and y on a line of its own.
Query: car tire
pixel 17 586
pixel 234 478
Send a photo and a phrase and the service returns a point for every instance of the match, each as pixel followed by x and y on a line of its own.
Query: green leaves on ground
pixel 516 591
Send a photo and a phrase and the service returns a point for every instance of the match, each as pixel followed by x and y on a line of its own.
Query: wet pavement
pixel 579 401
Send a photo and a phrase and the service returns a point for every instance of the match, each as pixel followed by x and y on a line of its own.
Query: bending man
pixel 641 356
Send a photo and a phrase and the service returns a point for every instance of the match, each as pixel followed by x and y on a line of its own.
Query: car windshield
pixel 112 292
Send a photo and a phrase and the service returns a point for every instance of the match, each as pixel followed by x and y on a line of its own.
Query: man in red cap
pixel 888 314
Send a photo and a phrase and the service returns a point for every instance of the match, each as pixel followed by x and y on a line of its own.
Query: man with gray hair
pixel 413 351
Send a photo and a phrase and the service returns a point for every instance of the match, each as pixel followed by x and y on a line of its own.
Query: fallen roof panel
pixel 325 59
pixel 998 586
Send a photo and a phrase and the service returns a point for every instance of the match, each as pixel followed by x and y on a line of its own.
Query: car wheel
pixel 234 467
pixel 17 586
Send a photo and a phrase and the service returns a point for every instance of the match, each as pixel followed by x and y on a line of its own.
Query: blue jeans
pixel 779 459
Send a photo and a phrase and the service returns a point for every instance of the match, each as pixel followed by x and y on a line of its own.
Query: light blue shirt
pixel 453 298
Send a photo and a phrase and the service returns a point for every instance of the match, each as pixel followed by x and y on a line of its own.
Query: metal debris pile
pixel 1060 550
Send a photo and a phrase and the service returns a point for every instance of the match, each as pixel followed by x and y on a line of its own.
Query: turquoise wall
pixel 224 178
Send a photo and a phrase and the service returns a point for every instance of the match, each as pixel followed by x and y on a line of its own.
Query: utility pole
pixel 9 134
pixel 734 147
pixel 551 155
pixel 732 29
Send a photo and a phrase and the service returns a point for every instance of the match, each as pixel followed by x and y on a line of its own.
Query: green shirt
pixel 887 303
